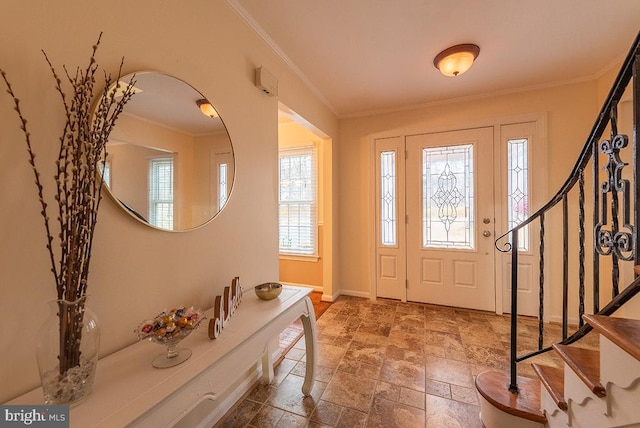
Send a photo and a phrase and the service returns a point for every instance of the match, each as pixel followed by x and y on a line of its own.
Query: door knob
pixel 486 234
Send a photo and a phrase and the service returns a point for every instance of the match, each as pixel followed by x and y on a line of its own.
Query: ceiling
pixel 369 56
pixel 171 103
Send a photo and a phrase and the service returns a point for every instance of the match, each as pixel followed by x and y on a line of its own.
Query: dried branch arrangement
pixel 78 178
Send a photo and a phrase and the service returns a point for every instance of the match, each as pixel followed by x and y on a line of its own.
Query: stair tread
pixel 585 363
pixel 625 333
pixel 553 380
pixel 494 387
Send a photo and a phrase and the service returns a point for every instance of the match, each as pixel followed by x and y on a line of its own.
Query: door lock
pixel 486 220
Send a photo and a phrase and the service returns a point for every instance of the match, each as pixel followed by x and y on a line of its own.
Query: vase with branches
pixel 78 174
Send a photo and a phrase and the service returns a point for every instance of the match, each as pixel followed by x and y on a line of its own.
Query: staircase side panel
pixel 556 418
pixel 493 417
pixel 624 405
pixel 617 366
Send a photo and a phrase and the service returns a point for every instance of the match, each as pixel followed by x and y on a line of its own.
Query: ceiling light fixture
pixel 456 59
pixel 206 108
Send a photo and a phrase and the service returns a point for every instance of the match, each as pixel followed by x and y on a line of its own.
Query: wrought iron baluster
pixel 581 249
pixel 636 154
pixel 565 267
pixel 513 386
pixel 541 295
pixel 596 220
pixel 615 268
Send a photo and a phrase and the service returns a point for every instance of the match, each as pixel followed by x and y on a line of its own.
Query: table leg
pixel 267 366
pixel 310 339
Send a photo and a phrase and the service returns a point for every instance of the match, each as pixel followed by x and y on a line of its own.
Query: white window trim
pixel 292 255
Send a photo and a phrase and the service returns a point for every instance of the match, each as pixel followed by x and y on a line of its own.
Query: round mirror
pixel 169 161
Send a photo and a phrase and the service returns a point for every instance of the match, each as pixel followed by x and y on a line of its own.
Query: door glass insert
pixel 518 188
pixel 388 198
pixel 448 197
pixel 222 185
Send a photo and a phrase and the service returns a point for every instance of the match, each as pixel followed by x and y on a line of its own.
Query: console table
pixel 128 391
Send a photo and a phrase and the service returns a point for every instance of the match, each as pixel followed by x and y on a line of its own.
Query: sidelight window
pixel 518 188
pixel 388 198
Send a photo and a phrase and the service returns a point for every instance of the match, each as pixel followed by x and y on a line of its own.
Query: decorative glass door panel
pixel 518 188
pixel 447 197
pixel 388 198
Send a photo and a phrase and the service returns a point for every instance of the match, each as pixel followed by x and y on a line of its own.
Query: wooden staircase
pixel 595 388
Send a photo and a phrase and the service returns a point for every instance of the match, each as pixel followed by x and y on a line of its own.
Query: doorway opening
pixel 305 203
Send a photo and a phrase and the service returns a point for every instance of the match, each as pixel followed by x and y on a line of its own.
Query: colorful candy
pixel 175 324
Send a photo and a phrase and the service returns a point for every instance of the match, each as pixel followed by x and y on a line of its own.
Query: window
pixel 447 197
pixel 518 188
pixel 105 169
pixel 298 201
pixel 222 185
pixel 161 192
pixel 388 198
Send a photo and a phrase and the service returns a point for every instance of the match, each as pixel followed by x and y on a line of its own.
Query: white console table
pixel 128 391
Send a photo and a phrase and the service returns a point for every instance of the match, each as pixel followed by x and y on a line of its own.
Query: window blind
pixel 298 201
pixel 161 192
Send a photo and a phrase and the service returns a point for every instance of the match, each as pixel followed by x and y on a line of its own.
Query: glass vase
pixel 67 351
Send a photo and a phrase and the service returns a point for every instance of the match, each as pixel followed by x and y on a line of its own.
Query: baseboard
pixel 332 297
pixel 318 289
pixel 295 284
pixel 572 322
pixel 354 293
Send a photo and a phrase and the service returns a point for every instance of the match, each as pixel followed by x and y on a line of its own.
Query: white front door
pixel 450 218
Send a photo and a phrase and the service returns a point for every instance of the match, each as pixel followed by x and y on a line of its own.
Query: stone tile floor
pixel 389 364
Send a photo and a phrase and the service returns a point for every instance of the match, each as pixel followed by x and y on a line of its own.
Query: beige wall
pixel 137 271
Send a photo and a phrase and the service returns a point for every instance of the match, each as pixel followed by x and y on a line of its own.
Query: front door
pixel 450 218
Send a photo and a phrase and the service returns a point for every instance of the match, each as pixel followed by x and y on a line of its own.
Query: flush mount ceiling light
pixel 456 59
pixel 206 108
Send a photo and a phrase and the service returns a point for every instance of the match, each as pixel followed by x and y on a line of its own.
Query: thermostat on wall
pixel 266 82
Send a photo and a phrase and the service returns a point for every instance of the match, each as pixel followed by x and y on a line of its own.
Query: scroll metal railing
pixel 616 194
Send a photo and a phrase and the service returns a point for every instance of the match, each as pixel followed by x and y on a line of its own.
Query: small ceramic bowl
pixel 268 290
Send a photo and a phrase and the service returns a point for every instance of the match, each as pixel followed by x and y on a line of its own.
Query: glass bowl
pixel 169 328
